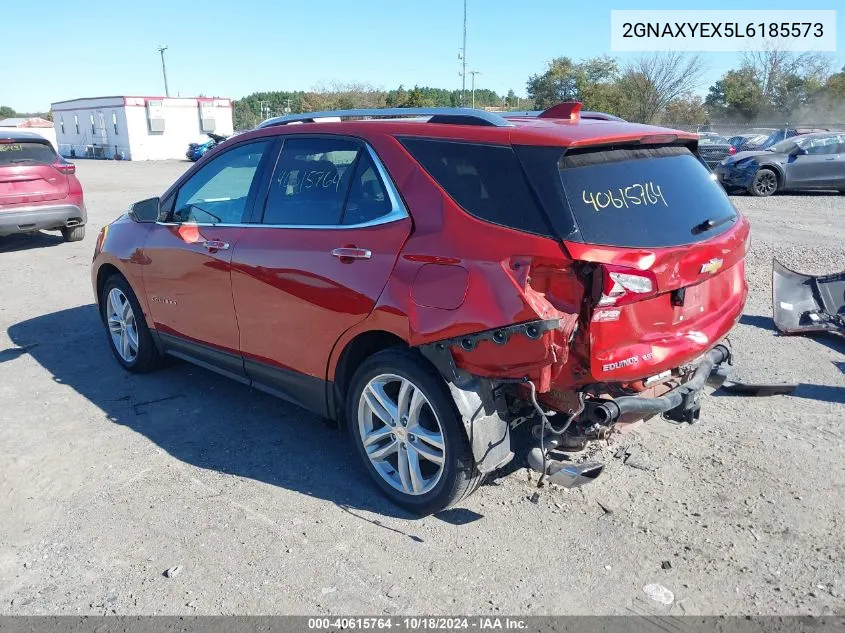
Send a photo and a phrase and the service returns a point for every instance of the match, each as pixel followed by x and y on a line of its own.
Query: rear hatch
pixel 664 249
pixel 29 173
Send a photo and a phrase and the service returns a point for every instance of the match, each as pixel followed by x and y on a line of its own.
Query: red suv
pixel 38 188
pixel 435 282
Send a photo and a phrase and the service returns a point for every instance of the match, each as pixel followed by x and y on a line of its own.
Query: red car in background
pixel 38 188
pixel 434 282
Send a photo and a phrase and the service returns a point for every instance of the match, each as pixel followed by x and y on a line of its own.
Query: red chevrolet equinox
pixel 436 278
pixel 38 188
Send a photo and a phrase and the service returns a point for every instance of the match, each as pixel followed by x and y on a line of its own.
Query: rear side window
pixel 310 181
pixel 487 181
pixel 23 152
pixel 643 197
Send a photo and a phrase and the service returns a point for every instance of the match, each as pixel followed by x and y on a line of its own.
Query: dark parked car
pixel 747 142
pixel 713 148
pixel 38 188
pixel 809 161
pixel 434 282
pixel 781 135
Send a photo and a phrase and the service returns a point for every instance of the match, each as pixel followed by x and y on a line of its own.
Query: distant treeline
pixel 252 109
pixel 768 85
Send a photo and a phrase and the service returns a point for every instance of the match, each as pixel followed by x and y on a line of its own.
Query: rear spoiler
pixel 568 110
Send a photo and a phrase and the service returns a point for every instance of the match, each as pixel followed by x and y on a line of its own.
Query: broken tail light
pixel 622 285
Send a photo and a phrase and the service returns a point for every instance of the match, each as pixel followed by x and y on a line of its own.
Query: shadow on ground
pixel 203 419
pixel 28 241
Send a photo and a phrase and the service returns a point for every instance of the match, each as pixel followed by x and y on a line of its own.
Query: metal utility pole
pixel 161 50
pixel 474 73
pixel 464 60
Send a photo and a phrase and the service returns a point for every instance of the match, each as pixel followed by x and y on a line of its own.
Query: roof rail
pixel 455 116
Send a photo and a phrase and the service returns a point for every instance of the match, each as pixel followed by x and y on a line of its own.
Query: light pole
pixel 161 50
pixel 474 73
pixel 463 57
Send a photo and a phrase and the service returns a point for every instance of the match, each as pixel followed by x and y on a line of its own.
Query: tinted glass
pixel 310 181
pixel 26 152
pixel 820 144
pixel 485 180
pixel 650 197
pixel 218 192
pixel 368 199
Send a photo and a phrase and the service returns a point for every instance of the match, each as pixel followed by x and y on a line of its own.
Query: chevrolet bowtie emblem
pixel 711 267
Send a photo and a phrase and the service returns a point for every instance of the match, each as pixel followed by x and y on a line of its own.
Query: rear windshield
pixel 634 197
pixel 12 153
pixel 643 197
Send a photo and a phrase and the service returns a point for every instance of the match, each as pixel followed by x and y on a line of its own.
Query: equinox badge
pixel 711 267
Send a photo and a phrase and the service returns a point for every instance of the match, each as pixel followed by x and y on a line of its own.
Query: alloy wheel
pixel 122 327
pixel 766 183
pixel 401 434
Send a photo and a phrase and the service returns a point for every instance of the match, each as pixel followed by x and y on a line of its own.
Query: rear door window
pixel 643 197
pixel 310 181
pixel 26 152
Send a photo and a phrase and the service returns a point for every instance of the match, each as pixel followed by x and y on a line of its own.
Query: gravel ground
pixel 107 479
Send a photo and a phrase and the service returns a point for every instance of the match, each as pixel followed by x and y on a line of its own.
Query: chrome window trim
pixel 398 210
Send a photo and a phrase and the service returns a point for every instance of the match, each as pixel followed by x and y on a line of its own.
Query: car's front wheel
pixel 129 337
pixel 765 183
pixel 408 433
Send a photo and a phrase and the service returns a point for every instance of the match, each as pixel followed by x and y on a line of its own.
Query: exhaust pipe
pixel 564 474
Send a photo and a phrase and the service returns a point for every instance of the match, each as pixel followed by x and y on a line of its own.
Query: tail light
pixel 622 285
pixel 731 150
pixel 65 167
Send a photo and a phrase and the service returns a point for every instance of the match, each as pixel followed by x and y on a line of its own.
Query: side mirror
pixel 797 151
pixel 145 211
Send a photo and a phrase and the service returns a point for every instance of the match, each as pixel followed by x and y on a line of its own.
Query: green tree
pixel 737 95
pixel 6 112
pixel 772 84
pixel 688 109
pixel 594 82
pixel 559 83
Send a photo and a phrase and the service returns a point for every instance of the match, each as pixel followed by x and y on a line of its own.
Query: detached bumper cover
pixel 27 219
pixel 807 303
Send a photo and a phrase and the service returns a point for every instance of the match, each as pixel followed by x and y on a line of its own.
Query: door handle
pixel 216 245
pixel 352 253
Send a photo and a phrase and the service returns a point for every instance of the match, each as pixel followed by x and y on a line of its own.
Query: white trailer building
pixel 137 128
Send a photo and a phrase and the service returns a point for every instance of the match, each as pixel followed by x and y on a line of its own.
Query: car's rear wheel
pixel 74 233
pixel 408 433
pixel 129 337
pixel 765 183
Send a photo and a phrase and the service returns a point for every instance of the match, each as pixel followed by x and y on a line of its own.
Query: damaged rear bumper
pixel 679 405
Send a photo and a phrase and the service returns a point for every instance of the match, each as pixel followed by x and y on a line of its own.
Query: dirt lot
pixel 108 479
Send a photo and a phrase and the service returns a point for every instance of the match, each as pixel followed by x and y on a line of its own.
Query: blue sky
pixel 227 48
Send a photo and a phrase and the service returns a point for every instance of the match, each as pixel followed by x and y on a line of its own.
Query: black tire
pixel 74 234
pixel 765 183
pixel 459 477
pixel 147 357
